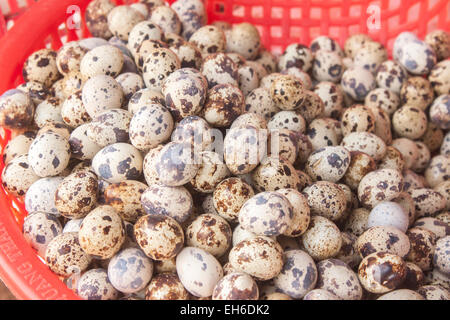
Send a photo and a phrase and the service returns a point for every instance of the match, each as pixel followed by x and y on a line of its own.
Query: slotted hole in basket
pixel 353 29
pixel 413 12
pixel 295 13
pixel 277 50
pixel 335 12
pixel 295 32
pixel 314 32
pixel 219 8
pixel 315 13
pixel 238 11
pixel 276 13
pixel 333 32
pixel 355 11
pixel 392 23
pixel 257 12
pixel 276 31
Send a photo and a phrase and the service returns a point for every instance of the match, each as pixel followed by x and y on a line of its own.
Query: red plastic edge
pixel 21 270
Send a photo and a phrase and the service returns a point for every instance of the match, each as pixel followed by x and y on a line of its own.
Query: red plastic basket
pixel 280 22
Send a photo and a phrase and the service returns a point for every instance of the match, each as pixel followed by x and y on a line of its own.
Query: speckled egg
pixel 320 294
pixel 144 51
pixel 444 149
pixel 196 131
pixel 356 222
pixel 130 270
pixel 408 149
pixel 73 111
pixel 122 19
pixel 189 55
pixel 248 79
pixel 41 66
pixel 166 18
pixel 211 233
pixel 144 30
pixel 296 55
pixel 366 142
pixel 248 139
pixel 218 68
pixel 287 92
pixel 440 228
pixel 332 97
pixel 96 285
pixel 236 286
pixel 439 41
pixel 333 169
pixel 76 195
pixel 18 146
pixel 166 286
pixel 358 118
pixel 39 228
pixel 102 60
pixel 260 257
pixel 423 244
pixel 18 176
pixel 101 93
pixel 199 271
pixel 412 180
pixel 380 185
pixel 326 199
pixel 323 239
pixel 275 173
pixel 370 55
pixel 267 213
pixel 383 239
pixel 358 82
pixel 131 83
pixel 327 66
pixel 69 57
pixel 160 237
pixel 438 170
pixel 96 16
pixel 336 277
pixel 298 275
pixel 381 272
pixel 48 112
pixel 287 119
pixel 417 92
pixel 439 113
pixel 252 119
pixel 150 173
pixel 441 255
pixel 326 43
pixel 110 127
pixel 224 103
pixel 36 90
pixel 401 294
pixel 41 195
pixel 16 109
pixel 102 232
pixel 409 122
pixel 175 202
pixel 417 57
pixel 185 92
pixel 383 99
pixel 427 202
pixel 81 146
pixel 434 292
pixel 230 195
pixel 118 162
pixel 388 213
pixel 211 172
pixel 209 39
pixel 125 197
pixel 360 165
pixel 150 126
pixel 439 77
pixel 47 161
pixel 160 63
pixel 260 101
pixel 176 164
pixel 64 255
pixel 301 212
pixel 323 132
pixel 391 75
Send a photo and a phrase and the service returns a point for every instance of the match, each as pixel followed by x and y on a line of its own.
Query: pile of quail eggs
pixel 165 158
